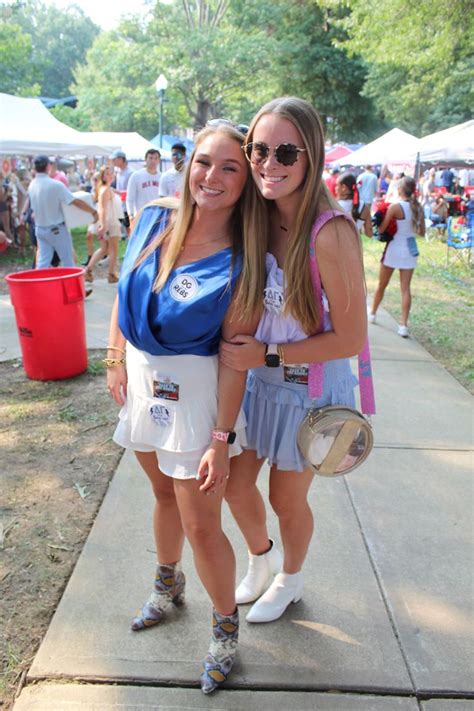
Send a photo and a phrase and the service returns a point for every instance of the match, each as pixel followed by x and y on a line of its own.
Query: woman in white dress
pixel 402 252
pixel 108 230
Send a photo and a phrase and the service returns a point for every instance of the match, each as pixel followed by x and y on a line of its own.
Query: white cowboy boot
pixel 260 573
pixel 284 590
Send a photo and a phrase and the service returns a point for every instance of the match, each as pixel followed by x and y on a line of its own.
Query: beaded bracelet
pixel 112 362
pixel 115 348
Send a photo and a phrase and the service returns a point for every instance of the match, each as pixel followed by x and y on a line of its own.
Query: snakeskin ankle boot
pixel 220 657
pixel 168 590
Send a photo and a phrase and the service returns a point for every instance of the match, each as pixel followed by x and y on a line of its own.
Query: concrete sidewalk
pixel 385 621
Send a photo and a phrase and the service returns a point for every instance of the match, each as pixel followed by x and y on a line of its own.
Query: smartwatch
pixel 228 437
pixel 272 356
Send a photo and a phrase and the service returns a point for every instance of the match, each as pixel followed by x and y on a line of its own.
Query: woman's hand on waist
pixel 214 468
pixel 242 353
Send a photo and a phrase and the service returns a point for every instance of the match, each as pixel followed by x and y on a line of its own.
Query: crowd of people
pixel 412 206
pixel 31 203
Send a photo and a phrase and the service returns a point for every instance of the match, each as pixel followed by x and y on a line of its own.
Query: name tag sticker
pixel 184 287
pixel 166 390
pixel 160 415
pixel 297 374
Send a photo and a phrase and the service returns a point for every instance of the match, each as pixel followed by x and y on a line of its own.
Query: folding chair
pixel 460 240
pixel 433 230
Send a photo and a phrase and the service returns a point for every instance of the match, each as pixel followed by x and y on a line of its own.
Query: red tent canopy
pixel 337 152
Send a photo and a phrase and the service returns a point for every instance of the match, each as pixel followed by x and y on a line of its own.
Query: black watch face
pixel 231 438
pixel 272 360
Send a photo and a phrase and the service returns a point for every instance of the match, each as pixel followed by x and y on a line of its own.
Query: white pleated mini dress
pixel 397 254
pixel 179 431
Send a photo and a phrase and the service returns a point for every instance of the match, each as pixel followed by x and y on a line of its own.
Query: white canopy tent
pixel 131 143
pixel 28 128
pixel 455 144
pixel 396 146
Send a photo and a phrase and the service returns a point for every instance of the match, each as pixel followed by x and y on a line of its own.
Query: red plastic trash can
pixel 49 313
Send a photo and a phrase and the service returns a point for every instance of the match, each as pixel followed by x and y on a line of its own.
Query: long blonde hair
pixel 408 186
pixel 100 183
pixel 248 211
pixel 315 198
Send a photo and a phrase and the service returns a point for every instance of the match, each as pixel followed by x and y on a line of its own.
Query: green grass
pixel 95 366
pixel 79 241
pixel 441 316
pixel 80 247
pixel 68 414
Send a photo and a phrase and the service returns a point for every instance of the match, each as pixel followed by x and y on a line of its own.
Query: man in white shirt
pixel 47 197
pixel 143 184
pixel 367 184
pixel 171 183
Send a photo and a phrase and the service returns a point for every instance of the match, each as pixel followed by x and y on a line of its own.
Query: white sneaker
pixel 284 590
pixel 403 331
pixel 371 317
pixel 260 574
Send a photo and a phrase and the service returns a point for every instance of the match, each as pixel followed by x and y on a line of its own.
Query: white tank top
pixel 405 227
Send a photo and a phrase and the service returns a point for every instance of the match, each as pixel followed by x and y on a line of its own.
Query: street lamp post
pixel 161 84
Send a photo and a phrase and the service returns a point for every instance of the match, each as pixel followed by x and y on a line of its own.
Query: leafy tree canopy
pixel 311 65
pixel 419 58
pixel 71 117
pixel 223 58
pixel 17 75
pixel 59 40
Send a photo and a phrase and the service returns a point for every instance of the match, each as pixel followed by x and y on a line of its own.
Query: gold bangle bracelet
pixel 115 348
pixel 112 362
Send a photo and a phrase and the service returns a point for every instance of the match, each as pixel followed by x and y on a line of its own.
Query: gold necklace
pixel 201 244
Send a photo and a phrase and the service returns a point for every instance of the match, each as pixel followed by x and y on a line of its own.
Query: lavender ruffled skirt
pixel 275 409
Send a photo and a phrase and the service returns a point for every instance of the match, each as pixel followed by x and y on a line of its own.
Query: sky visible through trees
pixel 366 65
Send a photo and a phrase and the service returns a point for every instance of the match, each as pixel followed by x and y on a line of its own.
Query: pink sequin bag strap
pixel 316 370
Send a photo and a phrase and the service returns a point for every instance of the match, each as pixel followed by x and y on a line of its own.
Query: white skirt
pixel 171 409
pixel 397 255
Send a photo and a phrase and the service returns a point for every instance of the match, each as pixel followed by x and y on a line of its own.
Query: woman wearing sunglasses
pixel 180 409
pixel 285 149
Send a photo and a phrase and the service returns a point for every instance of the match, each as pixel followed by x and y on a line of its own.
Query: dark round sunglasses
pixel 285 153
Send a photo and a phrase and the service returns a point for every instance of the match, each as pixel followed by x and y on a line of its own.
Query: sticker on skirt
pixel 160 415
pixel 297 374
pixel 166 390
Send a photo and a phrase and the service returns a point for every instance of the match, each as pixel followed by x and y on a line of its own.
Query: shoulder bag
pixel 335 439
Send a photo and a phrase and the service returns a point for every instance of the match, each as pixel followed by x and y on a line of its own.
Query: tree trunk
pixel 202 113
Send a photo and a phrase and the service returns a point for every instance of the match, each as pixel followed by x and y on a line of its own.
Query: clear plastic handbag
pixel 335 439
